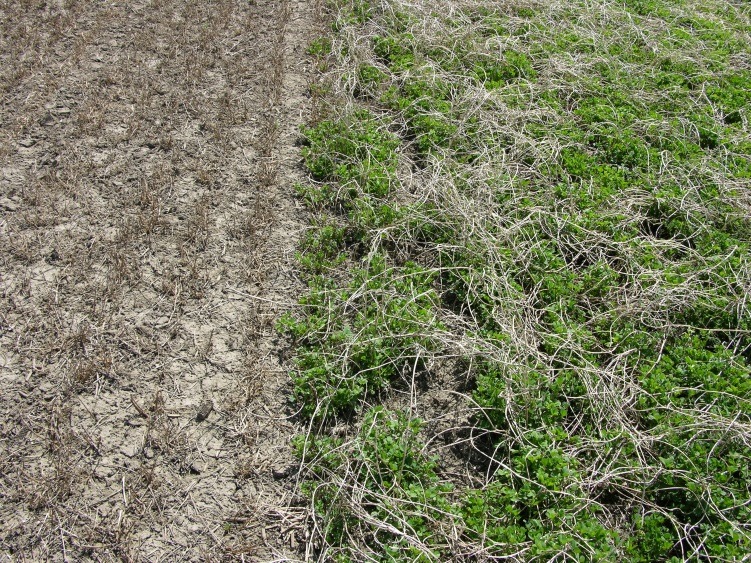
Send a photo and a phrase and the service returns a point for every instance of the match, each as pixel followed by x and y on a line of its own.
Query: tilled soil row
pixel 148 226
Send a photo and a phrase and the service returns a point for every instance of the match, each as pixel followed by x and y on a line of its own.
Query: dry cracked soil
pixel 147 227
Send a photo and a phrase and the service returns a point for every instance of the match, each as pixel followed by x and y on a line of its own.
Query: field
pixel 526 331
pixel 148 226
pixel 375 280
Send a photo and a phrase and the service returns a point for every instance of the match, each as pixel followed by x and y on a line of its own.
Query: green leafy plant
pixel 543 210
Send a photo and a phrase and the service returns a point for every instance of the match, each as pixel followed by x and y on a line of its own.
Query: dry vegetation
pixel 527 332
pixel 146 224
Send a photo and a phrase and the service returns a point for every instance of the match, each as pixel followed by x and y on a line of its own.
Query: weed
pixel 357 151
pixel 381 323
pixel 562 213
pixel 390 493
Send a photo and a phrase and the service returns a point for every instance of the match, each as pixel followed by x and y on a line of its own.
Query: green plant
pixel 355 341
pixel 493 73
pixel 548 203
pixel 357 151
pixel 399 496
pixel 320 47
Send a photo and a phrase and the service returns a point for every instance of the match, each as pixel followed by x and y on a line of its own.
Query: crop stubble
pixel 147 228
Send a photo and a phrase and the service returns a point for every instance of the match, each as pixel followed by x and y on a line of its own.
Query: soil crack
pixel 150 224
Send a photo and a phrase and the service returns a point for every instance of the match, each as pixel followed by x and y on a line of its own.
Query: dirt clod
pixel 204 411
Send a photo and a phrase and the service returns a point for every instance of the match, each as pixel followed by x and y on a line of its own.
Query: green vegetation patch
pixel 394 481
pixel 542 212
pixel 355 340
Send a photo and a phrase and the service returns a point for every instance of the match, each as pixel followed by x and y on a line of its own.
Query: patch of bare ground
pixel 148 225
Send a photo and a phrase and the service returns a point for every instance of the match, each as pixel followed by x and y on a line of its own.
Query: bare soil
pixel 147 227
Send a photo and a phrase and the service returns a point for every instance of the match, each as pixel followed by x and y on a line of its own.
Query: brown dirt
pixel 147 222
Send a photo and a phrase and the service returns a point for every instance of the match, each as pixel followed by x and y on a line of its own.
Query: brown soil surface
pixel 147 227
